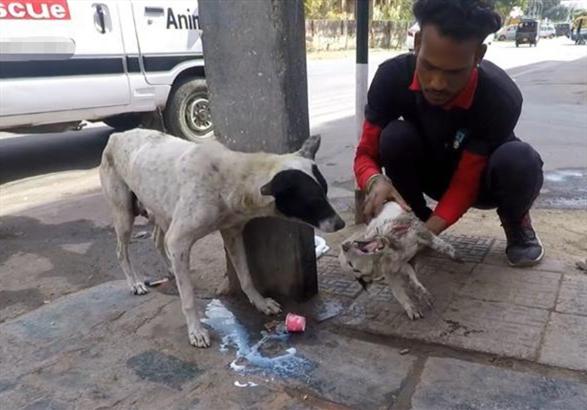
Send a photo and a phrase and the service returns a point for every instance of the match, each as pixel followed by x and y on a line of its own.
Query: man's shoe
pixel 523 245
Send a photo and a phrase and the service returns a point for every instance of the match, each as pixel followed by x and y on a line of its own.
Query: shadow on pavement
pixel 25 156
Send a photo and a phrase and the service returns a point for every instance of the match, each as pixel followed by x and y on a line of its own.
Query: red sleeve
pixel 463 189
pixel 367 155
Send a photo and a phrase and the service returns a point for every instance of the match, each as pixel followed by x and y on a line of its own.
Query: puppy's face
pixel 300 191
pixel 362 260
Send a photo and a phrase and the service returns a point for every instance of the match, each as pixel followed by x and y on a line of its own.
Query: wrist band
pixel 371 181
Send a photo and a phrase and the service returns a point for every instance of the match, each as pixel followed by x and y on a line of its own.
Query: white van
pixel 123 62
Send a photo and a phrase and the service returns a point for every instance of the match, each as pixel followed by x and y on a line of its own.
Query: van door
pixel 59 55
pixel 169 37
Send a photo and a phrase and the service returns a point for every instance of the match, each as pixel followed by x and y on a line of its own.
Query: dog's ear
pixel 267 189
pixel 310 147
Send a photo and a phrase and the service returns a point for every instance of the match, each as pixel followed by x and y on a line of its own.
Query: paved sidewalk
pixel 498 338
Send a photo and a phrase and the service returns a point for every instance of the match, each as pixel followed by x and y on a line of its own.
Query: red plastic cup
pixel 295 323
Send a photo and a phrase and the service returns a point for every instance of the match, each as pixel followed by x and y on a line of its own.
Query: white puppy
pixel 385 251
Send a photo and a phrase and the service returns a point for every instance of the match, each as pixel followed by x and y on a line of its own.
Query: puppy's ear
pixel 310 147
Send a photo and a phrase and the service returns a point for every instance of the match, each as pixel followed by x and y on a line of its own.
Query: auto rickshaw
pixel 579 30
pixel 528 32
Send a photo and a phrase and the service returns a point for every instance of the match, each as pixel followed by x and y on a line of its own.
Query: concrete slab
pixel 104 348
pixel 573 295
pixel 449 384
pixel 491 327
pixel 355 373
pixel 565 342
pixel 515 286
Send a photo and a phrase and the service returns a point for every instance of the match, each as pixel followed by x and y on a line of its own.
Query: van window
pixel 527 26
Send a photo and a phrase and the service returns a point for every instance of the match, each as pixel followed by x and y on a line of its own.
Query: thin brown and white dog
pixel 191 190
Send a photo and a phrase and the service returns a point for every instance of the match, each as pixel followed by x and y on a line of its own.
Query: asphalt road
pixel 552 77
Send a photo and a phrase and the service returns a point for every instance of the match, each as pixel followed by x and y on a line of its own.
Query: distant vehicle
pixel 63 62
pixel 528 32
pixel 411 35
pixel 579 38
pixel 507 33
pixel 547 31
pixel 563 29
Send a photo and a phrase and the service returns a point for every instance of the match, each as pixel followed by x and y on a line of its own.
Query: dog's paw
pixel 268 306
pixel 139 288
pixel 199 337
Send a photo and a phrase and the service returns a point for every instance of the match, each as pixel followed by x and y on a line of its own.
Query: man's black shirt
pixel 488 123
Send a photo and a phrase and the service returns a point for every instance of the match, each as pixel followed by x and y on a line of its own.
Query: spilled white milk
pixel 248 357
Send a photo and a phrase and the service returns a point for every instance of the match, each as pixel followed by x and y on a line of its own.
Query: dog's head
pixel 300 190
pixel 364 259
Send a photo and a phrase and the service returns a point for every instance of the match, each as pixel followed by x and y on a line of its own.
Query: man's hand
pixel 380 191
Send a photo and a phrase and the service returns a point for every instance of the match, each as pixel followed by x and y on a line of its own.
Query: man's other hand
pixel 380 191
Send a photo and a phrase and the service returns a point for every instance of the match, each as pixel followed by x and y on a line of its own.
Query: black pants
pixel 511 181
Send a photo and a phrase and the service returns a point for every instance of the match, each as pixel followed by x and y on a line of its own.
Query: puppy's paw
pixel 412 311
pixel 199 337
pixel 456 257
pixel 268 306
pixel 139 288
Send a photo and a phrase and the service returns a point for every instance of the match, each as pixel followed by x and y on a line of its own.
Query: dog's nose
pixel 346 246
pixel 339 224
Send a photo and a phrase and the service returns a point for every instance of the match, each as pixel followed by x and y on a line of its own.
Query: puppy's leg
pixel 427 238
pixel 409 293
pixel 178 242
pixel 418 291
pixel 120 199
pixel 234 243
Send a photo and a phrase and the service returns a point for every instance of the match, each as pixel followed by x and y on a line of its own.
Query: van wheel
pixel 124 122
pixel 187 114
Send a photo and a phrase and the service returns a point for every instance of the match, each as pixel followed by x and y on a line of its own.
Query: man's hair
pixel 459 19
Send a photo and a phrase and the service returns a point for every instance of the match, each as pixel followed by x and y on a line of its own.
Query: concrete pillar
pixel 256 72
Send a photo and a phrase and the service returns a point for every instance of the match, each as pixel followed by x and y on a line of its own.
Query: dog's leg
pixel 234 243
pixel 123 227
pixel 178 242
pixel 120 199
pixel 159 239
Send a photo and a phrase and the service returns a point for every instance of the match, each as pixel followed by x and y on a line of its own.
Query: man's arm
pixel 466 182
pixel 461 193
pixel 367 155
